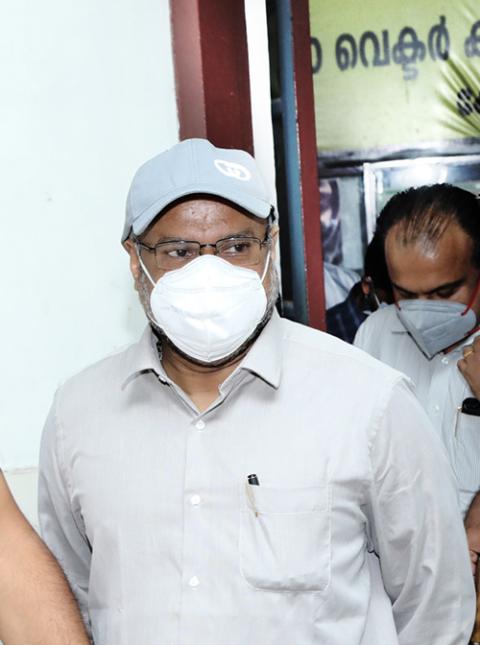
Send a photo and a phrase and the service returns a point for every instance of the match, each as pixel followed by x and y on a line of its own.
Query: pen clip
pixel 457 417
pixel 251 497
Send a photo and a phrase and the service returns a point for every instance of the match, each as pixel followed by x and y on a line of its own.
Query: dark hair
pixel 375 266
pixel 427 211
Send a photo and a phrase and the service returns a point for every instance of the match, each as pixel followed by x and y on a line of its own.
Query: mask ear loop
pixel 472 299
pixel 145 270
pixel 267 264
pixel 150 316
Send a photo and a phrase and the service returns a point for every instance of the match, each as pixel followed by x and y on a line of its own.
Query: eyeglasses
pixel 239 249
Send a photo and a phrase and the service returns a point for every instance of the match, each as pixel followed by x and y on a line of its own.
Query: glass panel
pixel 382 180
pixel 343 221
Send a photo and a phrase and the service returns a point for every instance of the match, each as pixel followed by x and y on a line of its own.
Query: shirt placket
pixel 196 501
pixel 200 506
pixel 439 411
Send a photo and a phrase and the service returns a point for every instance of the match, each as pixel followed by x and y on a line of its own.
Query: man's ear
pixel 135 268
pixel 366 284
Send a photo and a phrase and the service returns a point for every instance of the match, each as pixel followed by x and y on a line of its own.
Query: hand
pixel 469 366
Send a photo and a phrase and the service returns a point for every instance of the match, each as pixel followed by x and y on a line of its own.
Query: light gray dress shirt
pixel 144 501
pixel 440 387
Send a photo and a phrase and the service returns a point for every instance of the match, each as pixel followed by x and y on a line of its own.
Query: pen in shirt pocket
pixel 252 480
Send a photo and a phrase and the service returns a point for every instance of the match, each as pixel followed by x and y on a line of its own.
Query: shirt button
pixel 200 425
pixel 194 581
pixel 436 408
pixel 445 360
pixel 195 500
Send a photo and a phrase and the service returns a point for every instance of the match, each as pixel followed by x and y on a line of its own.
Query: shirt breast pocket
pixel 467 459
pixel 285 540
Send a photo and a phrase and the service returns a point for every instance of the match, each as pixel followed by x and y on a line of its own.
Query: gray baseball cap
pixel 194 166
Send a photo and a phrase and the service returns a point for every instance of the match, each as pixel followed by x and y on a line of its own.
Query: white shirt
pixel 144 502
pixel 440 387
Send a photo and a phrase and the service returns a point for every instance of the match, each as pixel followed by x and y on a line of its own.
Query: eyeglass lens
pixel 242 251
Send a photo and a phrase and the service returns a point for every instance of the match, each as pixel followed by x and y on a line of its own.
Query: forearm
pixel 36 604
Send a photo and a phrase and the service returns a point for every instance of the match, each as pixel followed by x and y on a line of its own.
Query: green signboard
pixel 395 74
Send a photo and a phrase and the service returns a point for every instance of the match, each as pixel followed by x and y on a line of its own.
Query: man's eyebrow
pixel 246 232
pixel 441 287
pixel 448 285
pixel 399 288
pixel 161 238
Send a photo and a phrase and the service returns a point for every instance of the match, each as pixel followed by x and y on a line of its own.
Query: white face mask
pixel 436 324
pixel 209 307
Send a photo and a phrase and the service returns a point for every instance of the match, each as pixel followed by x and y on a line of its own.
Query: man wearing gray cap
pixel 234 477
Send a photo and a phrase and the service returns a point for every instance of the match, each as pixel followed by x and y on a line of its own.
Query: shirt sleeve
pixel 416 527
pixel 60 527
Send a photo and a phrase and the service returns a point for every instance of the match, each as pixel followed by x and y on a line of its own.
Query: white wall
pixel 87 95
pixel 259 67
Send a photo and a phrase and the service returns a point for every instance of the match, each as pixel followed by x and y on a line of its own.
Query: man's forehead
pixel 452 242
pixel 204 212
pixel 202 200
pixel 422 265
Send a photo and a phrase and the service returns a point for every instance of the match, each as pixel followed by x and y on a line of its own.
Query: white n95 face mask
pixel 436 324
pixel 209 307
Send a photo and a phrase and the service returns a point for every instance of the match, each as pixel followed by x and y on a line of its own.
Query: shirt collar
pixel 466 341
pixel 143 357
pixel 263 358
pixel 396 326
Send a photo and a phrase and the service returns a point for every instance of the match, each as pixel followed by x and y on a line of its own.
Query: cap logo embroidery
pixel 232 169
